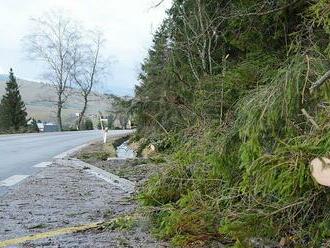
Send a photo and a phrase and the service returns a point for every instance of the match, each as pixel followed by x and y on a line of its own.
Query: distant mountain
pixel 40 100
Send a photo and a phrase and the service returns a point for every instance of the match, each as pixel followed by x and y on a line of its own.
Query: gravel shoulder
pixel 65 195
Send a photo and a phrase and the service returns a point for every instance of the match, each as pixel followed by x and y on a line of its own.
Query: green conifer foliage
pixel 223 96
pixel 12 108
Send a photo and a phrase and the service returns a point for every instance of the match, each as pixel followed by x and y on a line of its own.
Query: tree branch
pixel 310 119
pixel 321 81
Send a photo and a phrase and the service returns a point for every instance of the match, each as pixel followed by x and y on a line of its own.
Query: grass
pixel 252 177
pixel 121 223
pixel 101 152
pixel 98 152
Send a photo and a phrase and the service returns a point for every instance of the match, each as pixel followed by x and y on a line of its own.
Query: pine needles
pixel 244 173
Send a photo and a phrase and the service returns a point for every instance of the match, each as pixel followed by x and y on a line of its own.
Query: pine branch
pixel 273 10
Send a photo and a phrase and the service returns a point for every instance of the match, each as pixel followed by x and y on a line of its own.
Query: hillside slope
pixel 235 97
pixel 40 100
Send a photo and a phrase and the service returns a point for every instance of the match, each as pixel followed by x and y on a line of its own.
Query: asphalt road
pixel 20 153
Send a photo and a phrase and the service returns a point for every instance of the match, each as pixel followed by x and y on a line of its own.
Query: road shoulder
pixel 67 194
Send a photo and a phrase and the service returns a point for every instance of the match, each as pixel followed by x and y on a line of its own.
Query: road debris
pixel 66 205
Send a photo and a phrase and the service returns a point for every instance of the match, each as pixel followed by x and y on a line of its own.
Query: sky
pixel 127 26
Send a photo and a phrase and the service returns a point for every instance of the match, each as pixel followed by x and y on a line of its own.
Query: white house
pixel 47 127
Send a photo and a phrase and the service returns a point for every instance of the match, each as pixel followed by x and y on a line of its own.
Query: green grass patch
pixel 120 223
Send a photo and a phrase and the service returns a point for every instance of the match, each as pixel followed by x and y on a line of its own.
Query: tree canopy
pixel 237 93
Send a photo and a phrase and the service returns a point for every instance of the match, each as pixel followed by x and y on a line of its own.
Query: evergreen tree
pixel 223 91
pixel 12 108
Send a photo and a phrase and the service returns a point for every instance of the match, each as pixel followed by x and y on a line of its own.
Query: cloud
pixel 127 26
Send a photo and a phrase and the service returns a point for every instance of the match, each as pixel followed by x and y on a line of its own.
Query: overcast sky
pixel 127 26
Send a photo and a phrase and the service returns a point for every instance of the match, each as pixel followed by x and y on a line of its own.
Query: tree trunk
pixel 59 113
pixel 59 118
pixel 82 113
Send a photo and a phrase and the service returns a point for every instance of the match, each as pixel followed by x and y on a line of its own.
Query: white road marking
pixel 42 165
pixel 11 181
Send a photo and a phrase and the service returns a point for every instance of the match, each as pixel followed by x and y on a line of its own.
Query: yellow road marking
pixel 53 233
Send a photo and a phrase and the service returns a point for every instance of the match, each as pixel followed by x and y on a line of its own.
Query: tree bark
pixel 82 113
pixel 59 117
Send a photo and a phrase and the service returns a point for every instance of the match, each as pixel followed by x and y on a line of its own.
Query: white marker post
pixel 105 135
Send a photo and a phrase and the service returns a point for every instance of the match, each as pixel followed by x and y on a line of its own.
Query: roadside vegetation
pixel 97 152
pixel 235 95
pixel 101 152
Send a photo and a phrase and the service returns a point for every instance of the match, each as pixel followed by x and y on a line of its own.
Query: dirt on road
pixel 40 211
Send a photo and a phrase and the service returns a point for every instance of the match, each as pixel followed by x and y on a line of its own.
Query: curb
pixel 122 183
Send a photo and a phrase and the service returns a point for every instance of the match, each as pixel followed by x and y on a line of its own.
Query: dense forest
pixel 235 95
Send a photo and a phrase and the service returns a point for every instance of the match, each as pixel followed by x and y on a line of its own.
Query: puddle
pixel 124 151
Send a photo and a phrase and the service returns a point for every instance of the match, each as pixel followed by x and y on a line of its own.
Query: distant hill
pixel 40 100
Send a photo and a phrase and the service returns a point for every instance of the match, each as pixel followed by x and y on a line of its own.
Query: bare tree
pixel 200 32
pixel 55 41
pixel 89 68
